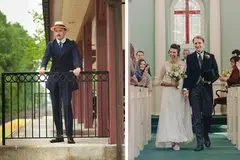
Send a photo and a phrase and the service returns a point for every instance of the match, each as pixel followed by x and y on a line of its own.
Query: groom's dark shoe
pixel 57 139
pixel 70 140
pixel 199 148
pixel 207 141
pixel 199 144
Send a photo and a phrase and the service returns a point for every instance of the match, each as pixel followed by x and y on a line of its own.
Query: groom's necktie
pixel 200 65
pixel 200 60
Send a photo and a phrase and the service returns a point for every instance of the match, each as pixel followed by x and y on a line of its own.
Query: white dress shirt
pixel 62 40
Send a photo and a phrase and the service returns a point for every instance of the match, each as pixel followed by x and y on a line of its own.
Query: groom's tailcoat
pixel 209 71
pixel 199 83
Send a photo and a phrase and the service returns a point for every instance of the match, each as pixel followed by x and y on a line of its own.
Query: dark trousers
pixel 61 97
pixel 201 101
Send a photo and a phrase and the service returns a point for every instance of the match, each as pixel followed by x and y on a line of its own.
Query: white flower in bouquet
pixel 176 73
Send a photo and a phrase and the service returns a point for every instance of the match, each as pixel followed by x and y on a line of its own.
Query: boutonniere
pixel 207 56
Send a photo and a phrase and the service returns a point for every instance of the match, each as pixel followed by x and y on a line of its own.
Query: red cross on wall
pixel 187 13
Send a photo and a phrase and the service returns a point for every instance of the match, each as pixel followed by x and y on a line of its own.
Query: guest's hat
pixel 58 24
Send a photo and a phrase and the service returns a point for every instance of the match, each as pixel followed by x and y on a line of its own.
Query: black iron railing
pixel 27 106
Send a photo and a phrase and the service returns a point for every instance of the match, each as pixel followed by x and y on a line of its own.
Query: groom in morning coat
pixel 202 71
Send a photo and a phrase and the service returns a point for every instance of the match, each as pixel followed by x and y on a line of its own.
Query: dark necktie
pixel 200 65
pixel 200 60
pixel 60 46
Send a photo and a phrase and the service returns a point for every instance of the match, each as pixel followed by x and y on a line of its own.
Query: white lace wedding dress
pixel 175 123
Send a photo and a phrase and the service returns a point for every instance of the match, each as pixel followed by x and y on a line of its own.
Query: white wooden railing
pixel 233 116
pixel 139 124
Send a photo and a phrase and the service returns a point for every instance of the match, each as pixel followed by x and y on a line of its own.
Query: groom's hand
pixel 77 71
pixel 42 71
pixel 185 93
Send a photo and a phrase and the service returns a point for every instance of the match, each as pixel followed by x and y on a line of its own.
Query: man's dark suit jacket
pixel 63 60
pixel 209 71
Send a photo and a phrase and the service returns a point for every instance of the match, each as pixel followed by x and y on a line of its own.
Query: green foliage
pixel 20 52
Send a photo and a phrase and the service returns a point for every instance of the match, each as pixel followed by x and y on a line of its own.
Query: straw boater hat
pixel 58 24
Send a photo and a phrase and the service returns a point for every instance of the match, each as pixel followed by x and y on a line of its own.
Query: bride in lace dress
pixel 174 124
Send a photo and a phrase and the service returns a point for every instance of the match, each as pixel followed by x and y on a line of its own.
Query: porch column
pixel 101 55
pixel 87 94
pixel 114 63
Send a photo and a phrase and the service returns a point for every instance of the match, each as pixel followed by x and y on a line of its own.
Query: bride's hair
pixel 175 46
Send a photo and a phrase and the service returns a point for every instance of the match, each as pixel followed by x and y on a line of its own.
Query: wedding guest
pixel 146 80
pixel 234 78
pixel 186 52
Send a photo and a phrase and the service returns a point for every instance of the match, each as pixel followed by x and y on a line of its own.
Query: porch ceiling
pixel 73 12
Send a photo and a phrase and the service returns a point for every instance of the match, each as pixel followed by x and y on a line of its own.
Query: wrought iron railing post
pixel 3 109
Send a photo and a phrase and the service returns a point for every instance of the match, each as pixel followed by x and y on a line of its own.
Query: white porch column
pixel 215 32
pixel 160 49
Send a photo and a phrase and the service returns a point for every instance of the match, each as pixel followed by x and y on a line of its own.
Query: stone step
pixel 59 151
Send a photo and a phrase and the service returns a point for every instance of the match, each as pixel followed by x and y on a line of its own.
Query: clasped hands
pixel 175 84
pixel 185 93
pixel 76 71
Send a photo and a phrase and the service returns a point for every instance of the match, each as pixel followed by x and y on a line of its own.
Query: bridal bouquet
pixel 176 73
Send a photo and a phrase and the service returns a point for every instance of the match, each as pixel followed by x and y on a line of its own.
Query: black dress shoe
pixel 207 143
pixel 57 139
pixel 70 140
pixel 199 148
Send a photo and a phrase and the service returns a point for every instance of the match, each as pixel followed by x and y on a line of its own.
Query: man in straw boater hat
pixel 65 58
